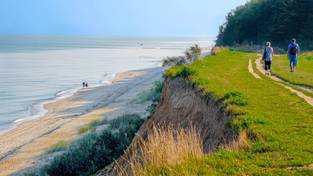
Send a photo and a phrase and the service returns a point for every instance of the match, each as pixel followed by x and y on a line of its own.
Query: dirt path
pixel 22 145
pixel 283 83
pixel 250 69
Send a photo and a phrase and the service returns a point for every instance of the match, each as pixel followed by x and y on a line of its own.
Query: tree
pixel 266 20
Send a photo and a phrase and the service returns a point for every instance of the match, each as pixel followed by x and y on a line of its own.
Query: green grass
pixel 304 70
pixel 281 121
pixel 84 129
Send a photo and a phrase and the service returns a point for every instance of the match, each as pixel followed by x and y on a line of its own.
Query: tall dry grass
pixel 239 144
pixel 162 149
pixel 217 50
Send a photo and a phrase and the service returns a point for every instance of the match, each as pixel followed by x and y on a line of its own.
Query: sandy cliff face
pixel 182 105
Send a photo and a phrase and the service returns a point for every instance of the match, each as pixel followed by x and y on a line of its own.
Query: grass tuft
pixel 61 145
pixel 84 129
pixel 180 71
pixel 163 148
pixel 240 144
pixel 235 98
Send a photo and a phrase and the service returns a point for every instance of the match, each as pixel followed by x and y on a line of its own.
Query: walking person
pixel 268 57
pixel 293 52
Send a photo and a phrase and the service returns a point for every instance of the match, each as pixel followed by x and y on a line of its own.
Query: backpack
pixel 264 54
pixel 294 49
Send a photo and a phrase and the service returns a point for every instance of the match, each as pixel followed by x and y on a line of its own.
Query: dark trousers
pixel 267 65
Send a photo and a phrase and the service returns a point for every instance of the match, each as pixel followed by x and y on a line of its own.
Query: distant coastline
pixel 65 115
pixel 37 71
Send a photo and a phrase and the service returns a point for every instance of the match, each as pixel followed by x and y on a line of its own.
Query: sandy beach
pixel 20 146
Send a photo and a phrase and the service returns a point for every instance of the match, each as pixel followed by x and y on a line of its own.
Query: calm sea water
pixel 34 70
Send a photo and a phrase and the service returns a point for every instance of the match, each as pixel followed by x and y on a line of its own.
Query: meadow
pixel 304 71
pixel 273 124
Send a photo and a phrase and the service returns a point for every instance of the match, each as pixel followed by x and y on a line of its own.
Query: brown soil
pixel 183 106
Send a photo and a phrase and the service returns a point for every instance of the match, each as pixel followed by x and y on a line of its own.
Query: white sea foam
pixel 33 79
pixel 37 110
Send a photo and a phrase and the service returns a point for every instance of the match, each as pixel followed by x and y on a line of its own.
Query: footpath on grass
pixel 277 119
pixel 284 83
pixel 303 75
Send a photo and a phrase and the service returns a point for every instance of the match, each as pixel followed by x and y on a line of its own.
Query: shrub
pixel 151 95
pixel 191 55
pixel 235 98
pixel 174 61
pixel 157 91
pixel 85 156
pixel 125 121
pixel 185 72
pixel 93 151
pixel 181 71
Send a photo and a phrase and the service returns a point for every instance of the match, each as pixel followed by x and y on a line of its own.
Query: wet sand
pixel 20 146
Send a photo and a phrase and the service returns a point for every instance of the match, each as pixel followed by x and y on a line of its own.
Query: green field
pixel 281 121
pixel 304 71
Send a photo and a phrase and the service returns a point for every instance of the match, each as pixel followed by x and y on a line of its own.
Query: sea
pixel 35 70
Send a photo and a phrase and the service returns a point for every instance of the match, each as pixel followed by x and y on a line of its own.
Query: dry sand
pixel 21 146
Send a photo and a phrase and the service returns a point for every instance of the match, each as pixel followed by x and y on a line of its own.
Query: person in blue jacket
pixel 293 53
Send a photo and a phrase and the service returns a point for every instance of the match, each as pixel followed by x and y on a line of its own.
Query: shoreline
pixel 43 86
pixel 41 109
pixel 21 145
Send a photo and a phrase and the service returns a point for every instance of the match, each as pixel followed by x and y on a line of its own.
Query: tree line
pixel 277 21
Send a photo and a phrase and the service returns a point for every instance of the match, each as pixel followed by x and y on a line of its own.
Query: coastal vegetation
pixel 278 21
pixel 101 142
pixel 57 147
pixel 191 55
pixel 165 147
pixel 268 137
pixel 273 127
pixel 155 94
pixel 269 129
pixel 93 151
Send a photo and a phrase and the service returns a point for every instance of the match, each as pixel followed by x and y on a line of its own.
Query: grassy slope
pixel 304 71
pixel 282 121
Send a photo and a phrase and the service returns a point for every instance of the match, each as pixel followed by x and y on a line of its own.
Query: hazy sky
pixel 152 18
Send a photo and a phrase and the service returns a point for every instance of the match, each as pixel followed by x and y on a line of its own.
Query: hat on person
pixel 268 43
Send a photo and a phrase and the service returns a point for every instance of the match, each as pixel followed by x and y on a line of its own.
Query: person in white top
pixel 268 57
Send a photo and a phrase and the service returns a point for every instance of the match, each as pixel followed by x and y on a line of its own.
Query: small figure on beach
pixel 85 84
pixel 293 52
pixel 268 57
